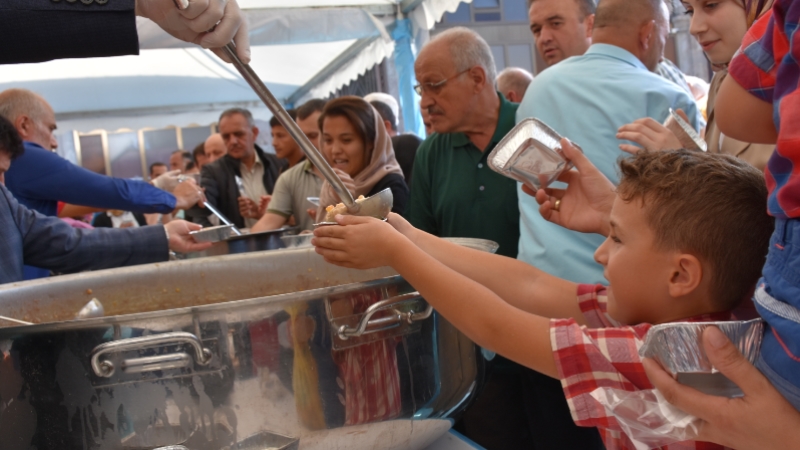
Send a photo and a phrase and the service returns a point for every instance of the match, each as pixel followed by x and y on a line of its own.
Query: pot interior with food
pixel 230 352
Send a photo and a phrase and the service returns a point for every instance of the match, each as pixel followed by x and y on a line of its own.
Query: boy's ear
pixel 686 276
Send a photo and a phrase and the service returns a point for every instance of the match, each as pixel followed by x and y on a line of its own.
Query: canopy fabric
pixel 300 49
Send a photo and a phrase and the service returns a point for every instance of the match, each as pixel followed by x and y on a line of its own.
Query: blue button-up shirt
pixel 586 99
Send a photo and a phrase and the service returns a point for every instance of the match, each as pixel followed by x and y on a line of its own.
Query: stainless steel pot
pixel 216 352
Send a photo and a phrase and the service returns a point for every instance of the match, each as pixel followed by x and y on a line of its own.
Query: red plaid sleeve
pixel 755 65
pixel 593 302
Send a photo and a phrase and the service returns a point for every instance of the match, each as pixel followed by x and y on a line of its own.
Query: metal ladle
pixel 378 205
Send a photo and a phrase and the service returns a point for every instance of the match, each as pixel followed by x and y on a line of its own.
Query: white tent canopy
pixel 300 48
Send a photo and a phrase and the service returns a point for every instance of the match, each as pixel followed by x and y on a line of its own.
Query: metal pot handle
pixel 136 365
pixel 367 326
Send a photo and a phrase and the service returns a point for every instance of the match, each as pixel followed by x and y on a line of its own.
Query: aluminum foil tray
pixel 678 347
pixel 213 234
pixel 531 154
pixel 687 136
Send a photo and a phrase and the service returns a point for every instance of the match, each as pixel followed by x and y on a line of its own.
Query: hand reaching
pixel 180 240
pixel 650 134
pixel 357 242
pixel 586 203
pixel 248 208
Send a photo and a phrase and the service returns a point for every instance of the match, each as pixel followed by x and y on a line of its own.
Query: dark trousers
pixel 519 408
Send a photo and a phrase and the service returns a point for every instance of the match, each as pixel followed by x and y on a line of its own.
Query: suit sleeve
pixel 50 243
pixel 46 176
pixel 420 205
pixel 41 30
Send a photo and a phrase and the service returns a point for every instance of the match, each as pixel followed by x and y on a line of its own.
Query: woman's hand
pixel 586 203
pixel 358 243
pixel 648 133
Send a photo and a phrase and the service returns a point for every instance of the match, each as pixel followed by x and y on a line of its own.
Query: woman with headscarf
pixel 356 144
pixel 719 27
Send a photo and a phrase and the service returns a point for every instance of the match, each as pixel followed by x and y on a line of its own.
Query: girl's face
pixel 718 25
pixel 343 146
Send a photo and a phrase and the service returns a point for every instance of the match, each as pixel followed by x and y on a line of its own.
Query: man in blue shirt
pixel 39 178
pixel 587 98
pixel 27 236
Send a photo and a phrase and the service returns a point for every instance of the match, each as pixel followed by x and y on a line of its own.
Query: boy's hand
pixel 762 419
pixel 586 203
pixel 361 243
pixel 400 224
pixel 650 135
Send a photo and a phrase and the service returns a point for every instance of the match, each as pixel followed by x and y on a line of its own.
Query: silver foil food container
pixel 213 234
pixel 687 136
pixel 678 347
pixel 531 154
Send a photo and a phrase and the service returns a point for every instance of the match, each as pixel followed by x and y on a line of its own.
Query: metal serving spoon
pixel 378 205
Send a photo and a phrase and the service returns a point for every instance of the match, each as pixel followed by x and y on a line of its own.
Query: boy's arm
pixel 519 284
pixel 470 306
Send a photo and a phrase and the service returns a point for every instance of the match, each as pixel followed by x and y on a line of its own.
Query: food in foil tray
pixel 687 136
pixel 531 154
pixel 678 347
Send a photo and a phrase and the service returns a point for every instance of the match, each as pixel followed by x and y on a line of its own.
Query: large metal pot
pixel 214 353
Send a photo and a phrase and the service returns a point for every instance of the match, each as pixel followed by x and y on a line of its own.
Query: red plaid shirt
pixel 604 354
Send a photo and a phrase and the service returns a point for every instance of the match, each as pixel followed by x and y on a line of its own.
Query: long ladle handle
pixel 283 117
pixel 222 217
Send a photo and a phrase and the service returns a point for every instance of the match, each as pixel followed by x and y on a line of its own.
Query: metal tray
pixel 266 441
pixel 213 234
pixel 687 136
pixel 678 347
pixel 531 154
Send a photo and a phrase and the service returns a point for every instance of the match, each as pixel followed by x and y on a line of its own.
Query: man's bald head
pixel 512 82
pixel 214 148
pixel 31 115
pixel 639 26
pixel 17 102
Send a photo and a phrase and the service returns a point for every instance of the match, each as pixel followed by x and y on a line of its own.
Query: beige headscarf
pixel 382 162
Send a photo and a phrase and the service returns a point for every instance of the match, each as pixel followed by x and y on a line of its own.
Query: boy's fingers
pixel 328 242
pixel 726 358
pixel 577 157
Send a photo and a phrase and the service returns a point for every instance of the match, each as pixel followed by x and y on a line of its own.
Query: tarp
pixel 300 48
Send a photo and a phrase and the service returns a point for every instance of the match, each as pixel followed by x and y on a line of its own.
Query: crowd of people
pixel 642 232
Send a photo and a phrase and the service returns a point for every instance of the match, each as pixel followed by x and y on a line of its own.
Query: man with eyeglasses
pixel 454 193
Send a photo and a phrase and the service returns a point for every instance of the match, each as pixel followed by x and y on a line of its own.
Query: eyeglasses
pixel 435 88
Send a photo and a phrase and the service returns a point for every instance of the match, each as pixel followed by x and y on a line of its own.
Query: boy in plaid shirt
pixel 687 237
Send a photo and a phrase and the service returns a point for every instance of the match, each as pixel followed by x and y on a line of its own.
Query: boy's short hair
pixel 709 205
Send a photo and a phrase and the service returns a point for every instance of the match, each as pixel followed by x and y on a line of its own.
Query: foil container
pixel 213 234
pixel 678 347
pixel 687 136
pixel 298 240
pixel 531 154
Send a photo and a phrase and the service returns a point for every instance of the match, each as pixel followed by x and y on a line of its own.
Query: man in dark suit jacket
pixel 256 169
pixel 41 30
pixel 27 237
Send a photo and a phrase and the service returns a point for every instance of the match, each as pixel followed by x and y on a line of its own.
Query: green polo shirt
pixel 454 193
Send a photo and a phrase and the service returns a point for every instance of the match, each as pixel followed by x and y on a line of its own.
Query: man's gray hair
pixel 469 49
pixel 22 102
pixel 515 79
pixel 586 7
pixel 233 111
